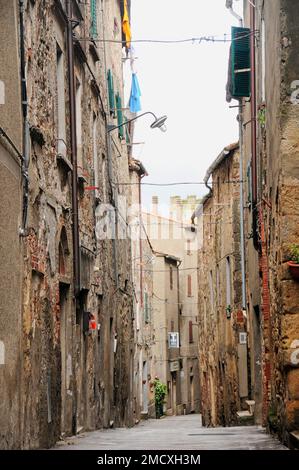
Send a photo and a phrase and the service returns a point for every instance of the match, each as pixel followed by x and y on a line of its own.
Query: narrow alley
pixel 172 433
pixel 149 226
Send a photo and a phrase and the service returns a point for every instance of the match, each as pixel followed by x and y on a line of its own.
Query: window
pixel 94 18
pixel 190 331
pixel 79 123
pixel 95 154
pixel 171 277
pixel 228 282
pixel 61 131
pixel 218 285
pixel 211 291
pixel 146 308
pixel 189 285
pixel 104 186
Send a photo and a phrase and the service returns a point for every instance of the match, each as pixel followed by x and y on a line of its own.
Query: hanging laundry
pixel 126 25
pixel 135 104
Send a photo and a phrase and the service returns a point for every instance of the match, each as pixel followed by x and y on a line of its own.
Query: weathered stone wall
pixel 219 321
pixel 73 378
pixel 275 317
pixel 10 222
pixel 282 224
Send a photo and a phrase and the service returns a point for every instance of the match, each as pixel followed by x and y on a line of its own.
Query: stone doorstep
pixel 244 414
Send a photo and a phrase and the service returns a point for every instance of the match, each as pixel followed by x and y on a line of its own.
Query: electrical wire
pixel 178 184
pixel 209 39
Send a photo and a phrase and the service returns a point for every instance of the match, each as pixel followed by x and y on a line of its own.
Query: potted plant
pixel 160 394
pixel 293 263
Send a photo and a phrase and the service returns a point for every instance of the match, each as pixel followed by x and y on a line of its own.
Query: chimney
pixel 155 203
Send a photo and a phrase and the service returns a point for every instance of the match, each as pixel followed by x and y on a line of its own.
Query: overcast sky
pixel 187 83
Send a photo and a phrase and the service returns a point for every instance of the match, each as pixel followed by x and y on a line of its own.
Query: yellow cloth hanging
pixel 126 25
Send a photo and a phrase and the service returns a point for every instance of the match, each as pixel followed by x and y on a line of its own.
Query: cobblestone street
pixel 178 433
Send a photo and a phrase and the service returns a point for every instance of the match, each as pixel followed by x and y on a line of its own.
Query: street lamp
pixel 158 123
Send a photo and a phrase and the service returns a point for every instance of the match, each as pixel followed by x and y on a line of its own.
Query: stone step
pixel 244 414
pixel 251 405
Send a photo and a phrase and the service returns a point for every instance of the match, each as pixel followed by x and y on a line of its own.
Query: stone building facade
pixel 222 325
pixel 142 277
pixel 67 311
pixel 271 160
pixel 177 311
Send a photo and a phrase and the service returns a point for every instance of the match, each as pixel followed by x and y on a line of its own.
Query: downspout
pixel 71 77
pixel 253 128
pixel 229 5
pixel 26 133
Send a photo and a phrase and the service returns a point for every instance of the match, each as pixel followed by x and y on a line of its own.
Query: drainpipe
pixel 72 98
pixel 26 133
pixel 253 127
pixel 229 5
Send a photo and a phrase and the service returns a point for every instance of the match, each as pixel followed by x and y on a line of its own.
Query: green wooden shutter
pixel 94 18
pixel 119 115
pixel 240 62
pixel 111 92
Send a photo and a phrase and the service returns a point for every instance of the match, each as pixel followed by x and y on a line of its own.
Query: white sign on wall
pixel 173 340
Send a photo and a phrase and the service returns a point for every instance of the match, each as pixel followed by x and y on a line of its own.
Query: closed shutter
pixel 240 62
pixel 94 18
pixel 119 115
pixel 111 93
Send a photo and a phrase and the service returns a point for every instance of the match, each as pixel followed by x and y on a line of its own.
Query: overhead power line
pixel 178 184
pixel 220 38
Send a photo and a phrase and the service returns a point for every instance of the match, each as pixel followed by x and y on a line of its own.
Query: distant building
pixel 175 306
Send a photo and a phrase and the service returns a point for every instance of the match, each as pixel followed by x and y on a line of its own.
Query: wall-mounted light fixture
pixel 159 123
